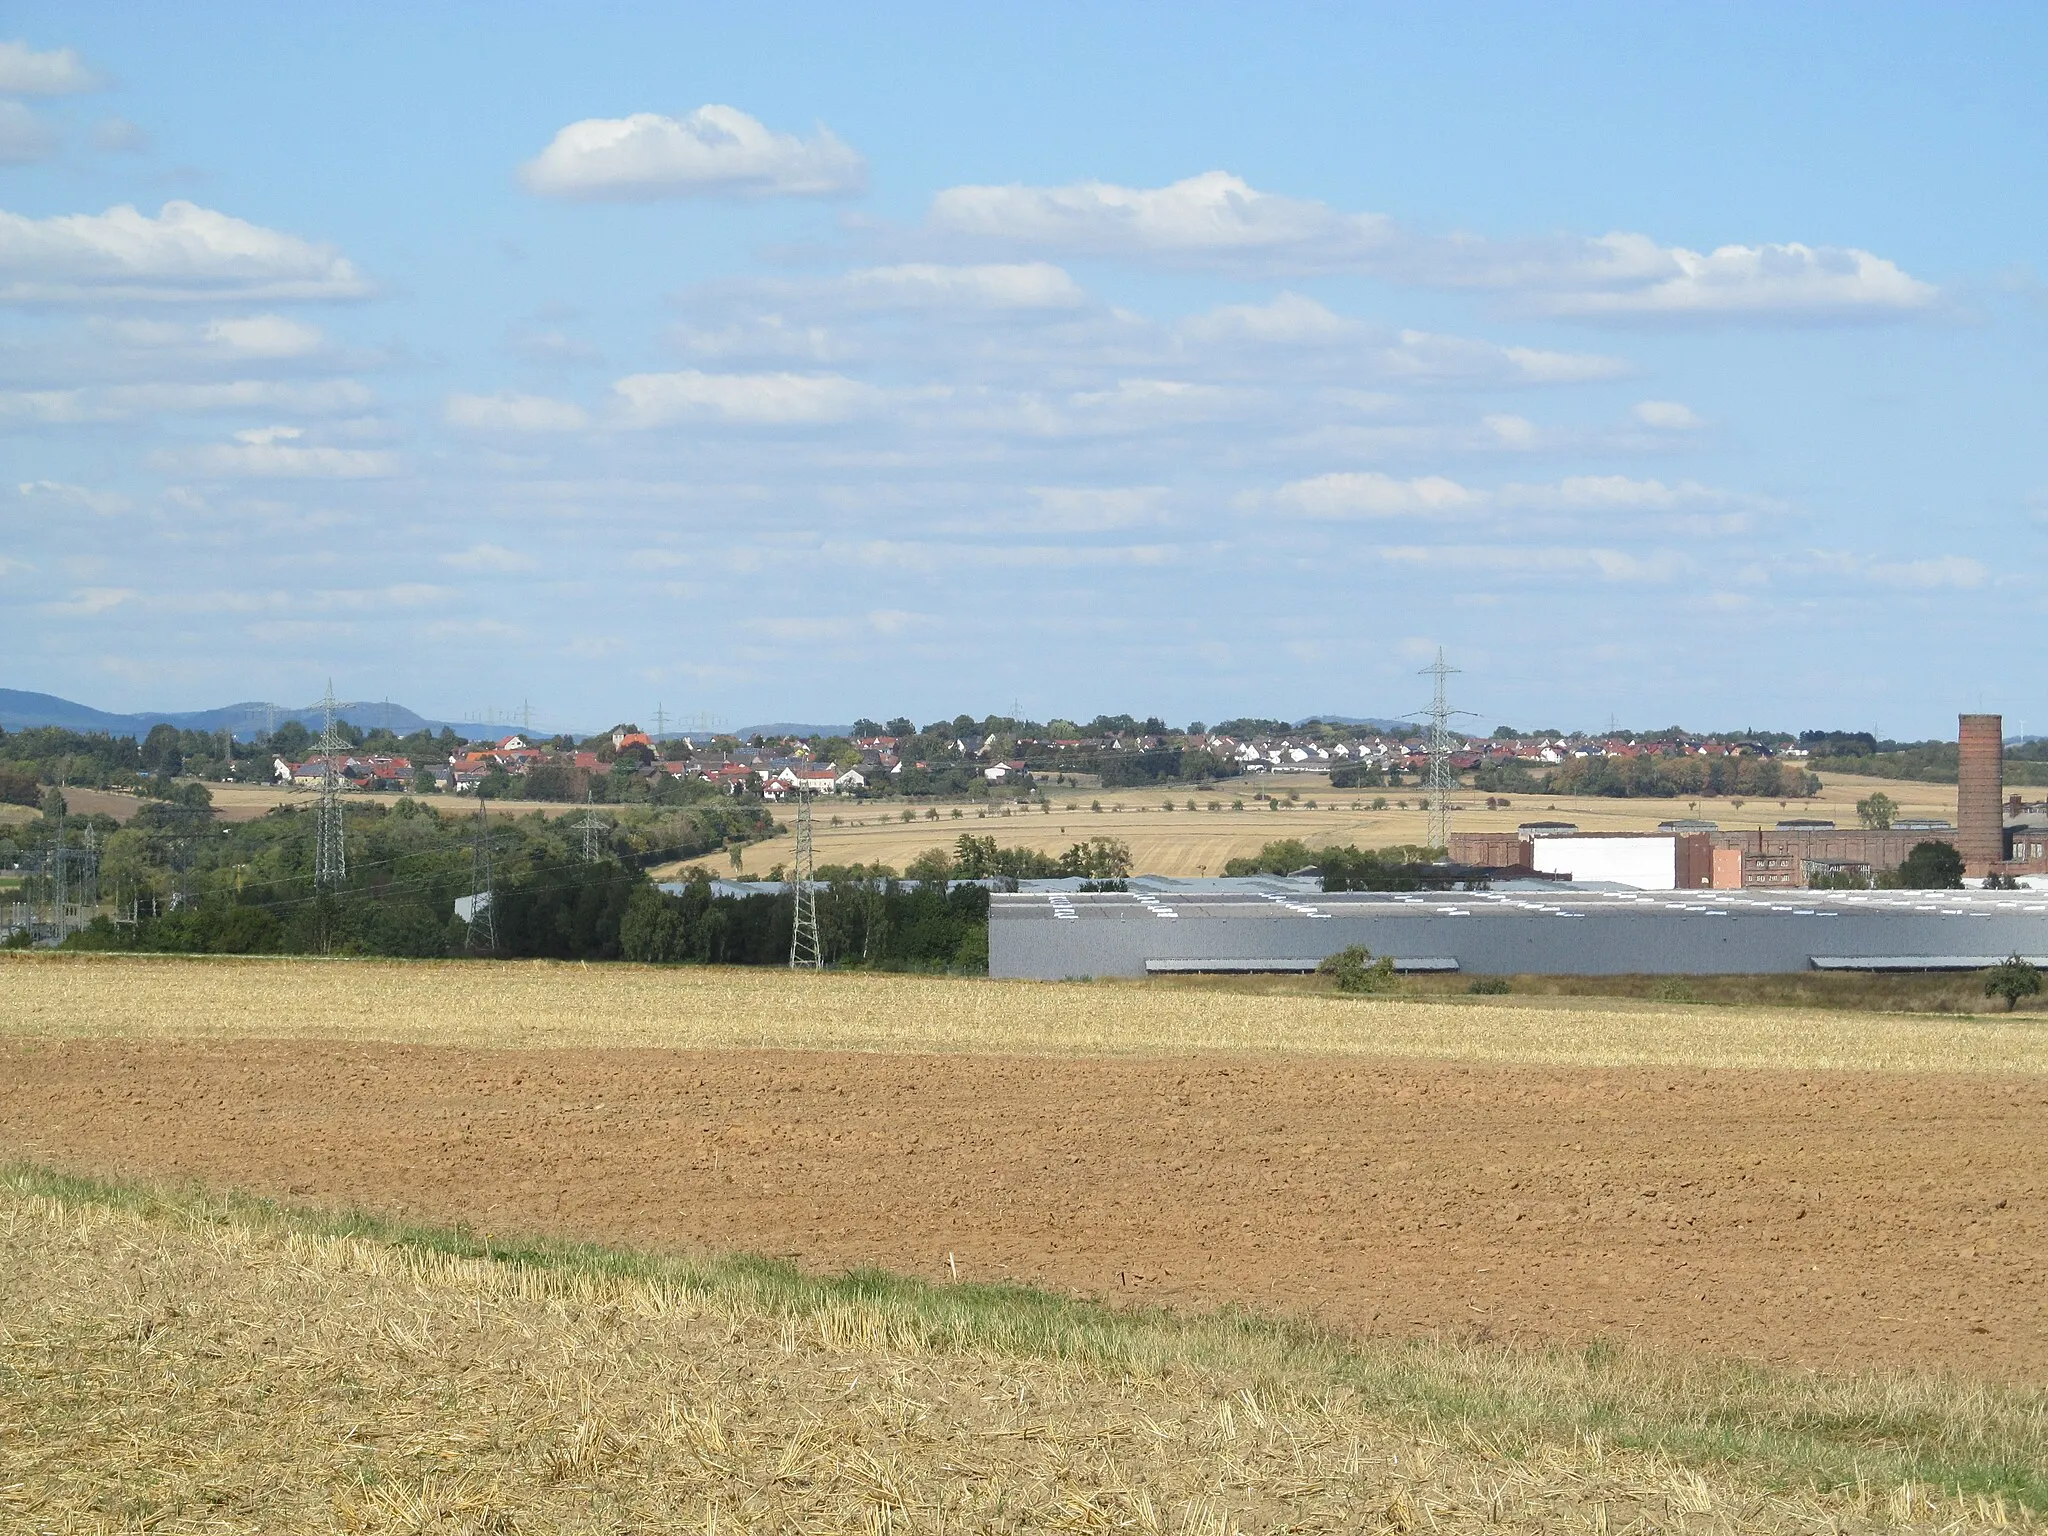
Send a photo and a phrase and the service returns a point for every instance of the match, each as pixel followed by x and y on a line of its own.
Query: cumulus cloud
pixel 1369 494
pixel 24 137
pixel 89 602
pixel 1089 508
pixel 714 151
pixel 509 412
pixel 264 336
pixel 1218 220
pixel 1666 415
pixel 760 399
pixel 1533 562
pixel 931 285
pixel 184 253
pixel 276 453
pixel 59 72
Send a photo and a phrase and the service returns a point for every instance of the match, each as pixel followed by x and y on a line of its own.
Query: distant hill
pixel 20 710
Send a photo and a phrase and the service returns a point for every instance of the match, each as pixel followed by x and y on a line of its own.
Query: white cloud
pixel 55 496
pixel 265 336
pixel 275 453
pixel 1288 320
pixel 1087 508
pixel 764 399
pixel 185 252
pixel 60 72
pixel 1218 220
pixel 24 137
pixel 118 136
pixel 759 338
pixel 89 602
pixel 1342 497
pixel 714 150
pixel 1371 494
pixel 931 285
pixel 509 412
pixel 1666 415
pixel 1934 572
pixel 125 402
pixel 1793 280
pixel 1528 562
pixel 491 558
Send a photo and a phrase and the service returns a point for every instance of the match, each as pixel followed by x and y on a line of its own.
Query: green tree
pixel 2013 980
pixel 424 783
pixel 54 806
pixel 1931 866
pixel 1877 811
pixel 1354 970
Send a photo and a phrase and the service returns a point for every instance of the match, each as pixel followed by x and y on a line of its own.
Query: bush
pixel 1354 970
pixel 2013 980
pixel 1489 986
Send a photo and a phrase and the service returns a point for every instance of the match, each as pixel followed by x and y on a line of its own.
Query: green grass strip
pixel 1783 1429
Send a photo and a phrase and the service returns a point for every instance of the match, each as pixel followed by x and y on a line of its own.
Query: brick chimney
pixel 1980 787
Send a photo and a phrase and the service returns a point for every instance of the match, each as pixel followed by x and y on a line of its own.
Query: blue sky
pixel 1665 366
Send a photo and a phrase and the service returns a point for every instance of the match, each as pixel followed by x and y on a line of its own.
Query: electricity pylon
pixel 1442 781
pixel 593 826
pixel 805 951
pixel 330 859
pixel 483 897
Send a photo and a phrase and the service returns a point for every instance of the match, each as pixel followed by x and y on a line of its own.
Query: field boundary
pixel 1791 1430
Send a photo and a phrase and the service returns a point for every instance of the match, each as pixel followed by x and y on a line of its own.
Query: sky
pixel 1661 365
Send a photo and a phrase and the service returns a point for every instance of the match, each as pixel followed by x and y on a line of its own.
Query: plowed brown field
pixel 1828 1218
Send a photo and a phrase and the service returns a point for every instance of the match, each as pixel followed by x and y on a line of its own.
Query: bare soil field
pixel 1822 1215
pixel 1202 841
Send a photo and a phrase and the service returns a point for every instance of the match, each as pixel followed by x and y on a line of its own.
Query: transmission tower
pixel 594 826
pixel 483 888
pixel 1442 781
pixel 805 952
pixel 330 864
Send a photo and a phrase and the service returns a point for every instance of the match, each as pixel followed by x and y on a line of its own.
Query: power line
pixel 593 825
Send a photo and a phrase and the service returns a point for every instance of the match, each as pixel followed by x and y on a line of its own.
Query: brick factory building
pixel 1992 837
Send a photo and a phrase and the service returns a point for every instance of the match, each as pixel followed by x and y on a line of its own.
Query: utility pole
pixel 1441 779
pixel 483 898
pixel 660 722
pixel 805 951
pixel 330 862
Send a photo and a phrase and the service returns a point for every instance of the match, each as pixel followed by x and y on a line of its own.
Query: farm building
pixel 1048 930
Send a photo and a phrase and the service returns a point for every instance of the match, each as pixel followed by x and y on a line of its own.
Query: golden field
pixel 186 1364
pixel 1202 841
pixel 546 1004
pixel 1177 842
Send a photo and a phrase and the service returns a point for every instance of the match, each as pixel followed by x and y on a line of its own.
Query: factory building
pixel 1993 836
pixel 1048 930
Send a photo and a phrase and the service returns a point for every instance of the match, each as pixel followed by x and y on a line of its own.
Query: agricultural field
pixel 1202 841
pixel 180 1363
pixel 1533 1262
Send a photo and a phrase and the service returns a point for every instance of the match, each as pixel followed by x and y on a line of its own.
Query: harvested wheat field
pixel 1536 1171
pixel 185 1365
pixel 1201 840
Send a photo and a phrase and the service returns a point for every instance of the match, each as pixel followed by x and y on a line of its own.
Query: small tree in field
pixel 1877 811
pixel 2013 980
pixel 1355 970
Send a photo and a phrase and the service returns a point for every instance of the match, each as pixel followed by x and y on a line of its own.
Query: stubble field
pixel 1202 841
pixel 1530 1226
